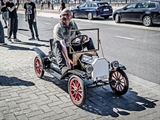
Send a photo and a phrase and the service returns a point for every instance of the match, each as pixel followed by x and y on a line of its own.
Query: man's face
pixel 66 17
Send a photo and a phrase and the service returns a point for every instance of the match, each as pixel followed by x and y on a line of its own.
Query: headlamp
pixel 115 64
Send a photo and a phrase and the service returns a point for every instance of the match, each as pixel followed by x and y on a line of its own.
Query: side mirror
pixel 78 7
pixel 125 8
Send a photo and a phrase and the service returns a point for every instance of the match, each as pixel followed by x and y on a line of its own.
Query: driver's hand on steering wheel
pixel 85 38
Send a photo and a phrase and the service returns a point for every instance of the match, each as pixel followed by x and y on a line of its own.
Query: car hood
pixel 74 8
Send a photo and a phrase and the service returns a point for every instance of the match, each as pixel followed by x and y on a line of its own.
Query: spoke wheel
pixel 77 90
pixel 147 21
pixel 38 67
pixel 119 82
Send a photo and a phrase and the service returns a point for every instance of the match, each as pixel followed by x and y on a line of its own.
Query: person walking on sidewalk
pixel 62 5
pixel 49 4
pixel 30 16
pixel 4 12
pixel 13 20
pixel 42 3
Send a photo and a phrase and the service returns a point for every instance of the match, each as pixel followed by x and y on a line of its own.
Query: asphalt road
pixel 133 45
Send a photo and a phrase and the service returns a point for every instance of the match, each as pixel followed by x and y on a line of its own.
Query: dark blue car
pixel 146 12
pixel 92 9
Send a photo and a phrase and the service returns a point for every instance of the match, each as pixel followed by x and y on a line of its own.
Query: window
pixel 152 5
pixel 133 5
pixel 139 5
pixel 94 5
pixel 83 5
pixel 103 4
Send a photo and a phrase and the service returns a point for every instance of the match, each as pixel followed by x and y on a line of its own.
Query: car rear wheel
pixel 38 66
pixel 117 18
pixel 147 21
pixel 90 16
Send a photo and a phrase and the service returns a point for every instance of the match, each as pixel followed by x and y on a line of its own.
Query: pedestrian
pixel 61 39
pixel 52 4
pixel 30 16
pixel 4 12
pixel 13 20
pixel 62 5
pixel 49 3
pixel 42 5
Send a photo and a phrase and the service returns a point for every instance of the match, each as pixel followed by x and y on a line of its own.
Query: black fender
pixel 40 52
pixel 73 72
pixel 42 55
pixel 122 67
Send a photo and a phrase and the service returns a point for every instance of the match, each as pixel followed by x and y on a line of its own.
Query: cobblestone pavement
pixel 23 96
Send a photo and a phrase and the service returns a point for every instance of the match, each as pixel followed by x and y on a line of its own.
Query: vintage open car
pixel 87 66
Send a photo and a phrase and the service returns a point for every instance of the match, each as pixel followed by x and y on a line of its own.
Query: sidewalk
pixel 23 96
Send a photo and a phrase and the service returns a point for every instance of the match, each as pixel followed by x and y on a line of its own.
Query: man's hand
pixel 34 20
pixel 69 62
pixel 85 38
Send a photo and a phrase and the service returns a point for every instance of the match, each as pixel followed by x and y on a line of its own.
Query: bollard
pixel 1 33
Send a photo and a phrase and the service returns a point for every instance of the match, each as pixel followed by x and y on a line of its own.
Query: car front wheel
pixel 117 18
pixel 90 16
pixel 147 21
pixel 77 90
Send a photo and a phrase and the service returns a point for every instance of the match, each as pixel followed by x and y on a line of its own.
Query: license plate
pixel 102 77
pixel 106 9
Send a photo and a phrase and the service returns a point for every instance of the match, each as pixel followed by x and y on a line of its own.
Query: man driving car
pixel 61 38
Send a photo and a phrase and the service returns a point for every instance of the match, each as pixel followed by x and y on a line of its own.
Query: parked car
pixel 92 9
pixel 147 12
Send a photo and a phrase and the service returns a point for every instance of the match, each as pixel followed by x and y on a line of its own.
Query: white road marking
pixel 125 37
pixel 47 23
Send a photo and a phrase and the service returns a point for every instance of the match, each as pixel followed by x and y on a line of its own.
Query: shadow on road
pixel 14 81
pixel 18 46
pixel 106 103
pixel 23 29
pixel 139 24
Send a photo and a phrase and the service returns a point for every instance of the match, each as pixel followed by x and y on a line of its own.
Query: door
pixel 138 12
pixel 127 12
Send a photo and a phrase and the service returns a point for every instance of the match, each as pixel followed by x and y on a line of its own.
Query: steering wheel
pixel 79 40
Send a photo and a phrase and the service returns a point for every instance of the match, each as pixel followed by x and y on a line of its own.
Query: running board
pixel 55 74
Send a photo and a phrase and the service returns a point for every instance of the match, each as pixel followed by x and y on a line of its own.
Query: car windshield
pixel 82 5
pixel 103 4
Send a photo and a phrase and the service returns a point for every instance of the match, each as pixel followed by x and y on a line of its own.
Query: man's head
pixel 65 16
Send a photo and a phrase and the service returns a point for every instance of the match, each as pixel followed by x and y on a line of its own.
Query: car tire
pixel 121 83
pixel 147 21
pixel 38 66
pixel 77 90
pixel 90 16
pixel 117 18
